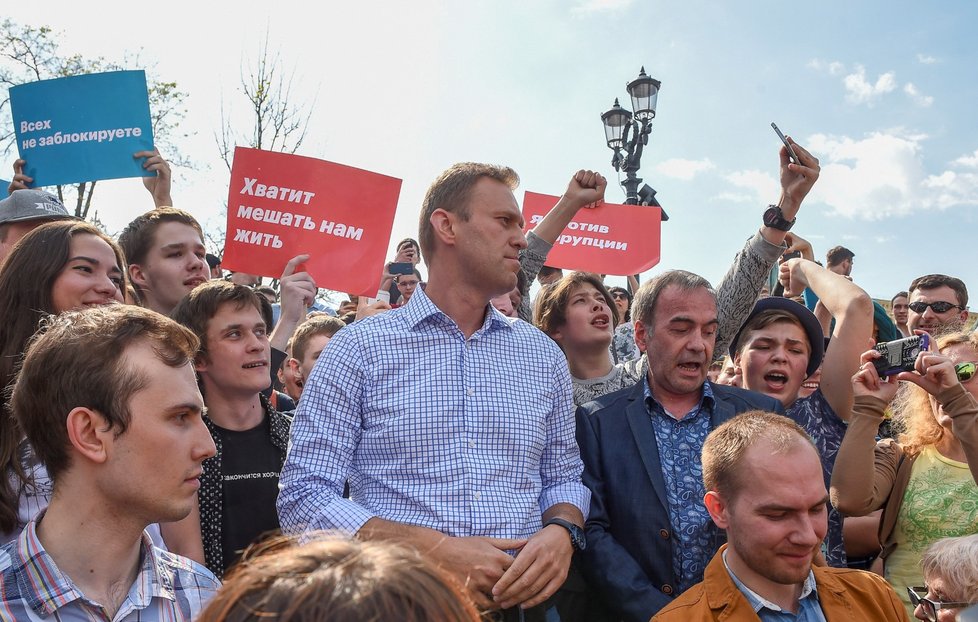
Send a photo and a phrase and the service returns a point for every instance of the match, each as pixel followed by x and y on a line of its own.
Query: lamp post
pixel 627 134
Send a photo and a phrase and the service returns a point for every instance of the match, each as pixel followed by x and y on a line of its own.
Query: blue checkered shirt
pixel 470 437
pixel 168 588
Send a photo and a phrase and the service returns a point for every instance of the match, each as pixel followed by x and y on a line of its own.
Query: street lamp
pixel 628 132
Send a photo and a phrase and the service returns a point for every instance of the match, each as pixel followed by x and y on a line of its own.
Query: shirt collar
pixel 421 309
pixel 45 588
pixel 706 398
pixel 758 602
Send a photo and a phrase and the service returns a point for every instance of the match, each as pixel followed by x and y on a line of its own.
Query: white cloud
pixel 924 101
pixel 861 91
pixel 763 186
pixel 925 59
pixel 684 169
pixel 599 6
pixel 971 161
pixel 833 68
pixel 883 175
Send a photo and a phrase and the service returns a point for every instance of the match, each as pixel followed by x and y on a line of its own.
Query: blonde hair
pixel 914 411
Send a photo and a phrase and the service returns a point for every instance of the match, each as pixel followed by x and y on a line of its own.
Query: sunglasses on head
pixel 928 605
pixel 965 371
pixel 939 307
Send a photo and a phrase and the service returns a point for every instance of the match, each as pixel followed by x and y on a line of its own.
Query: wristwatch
pixel 578 539
pixel 775 219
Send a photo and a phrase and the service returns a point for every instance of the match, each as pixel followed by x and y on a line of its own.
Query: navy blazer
pixel 628 559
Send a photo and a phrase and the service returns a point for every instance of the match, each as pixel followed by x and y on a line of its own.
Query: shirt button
pixel 470 392
pixel 664 533
pixel 667 589
pixel 471 444
pixel 477 496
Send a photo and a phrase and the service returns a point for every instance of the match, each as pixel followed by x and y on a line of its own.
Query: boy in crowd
pixel 307 344
pixel 108 400
pixel 166 255
pixel 240 484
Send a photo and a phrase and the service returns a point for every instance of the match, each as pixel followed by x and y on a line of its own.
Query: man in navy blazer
pixel 649 537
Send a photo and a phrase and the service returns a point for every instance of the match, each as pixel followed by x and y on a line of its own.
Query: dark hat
pixel 32 205
pixel 816 340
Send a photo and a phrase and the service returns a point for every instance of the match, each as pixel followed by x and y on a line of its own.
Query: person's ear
pixel 718 508
pixel 138 276
pixel 443 225
pixel 89 434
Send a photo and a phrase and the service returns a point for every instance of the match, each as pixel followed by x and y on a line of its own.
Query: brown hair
pixel 27 278
pixel 763 320
pixel 838 254
pixel 197 308
pixel 339 580
pixel 550 312
pixel 451 191
pixel 725 447
pixel 78 359
pixel 321 325
pixel 914 413
pixel 647 296
pixel 137 238
pixel 933 281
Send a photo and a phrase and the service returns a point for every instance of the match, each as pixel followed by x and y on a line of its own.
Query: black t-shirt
pixel 250 467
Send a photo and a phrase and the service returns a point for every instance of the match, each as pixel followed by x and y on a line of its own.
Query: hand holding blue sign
pixel 83 128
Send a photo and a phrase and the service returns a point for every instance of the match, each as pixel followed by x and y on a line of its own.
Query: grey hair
pixel 956 561
pixel 647 296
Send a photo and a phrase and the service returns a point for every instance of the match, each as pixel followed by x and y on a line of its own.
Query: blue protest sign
pixel 4 184
pixel 82 128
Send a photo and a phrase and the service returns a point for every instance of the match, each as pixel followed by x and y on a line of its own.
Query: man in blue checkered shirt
pixel 453 424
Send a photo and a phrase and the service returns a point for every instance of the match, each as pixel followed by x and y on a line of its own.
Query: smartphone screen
pixel 791 152
pixel 401 267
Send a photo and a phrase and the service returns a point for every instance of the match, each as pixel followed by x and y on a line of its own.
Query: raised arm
pixel 738 289
pixel 852 309
pixel 585 189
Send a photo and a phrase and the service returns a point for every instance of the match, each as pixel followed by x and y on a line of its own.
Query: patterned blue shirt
pixel 817 418
pixel 809 609
pixel 680 443
pixel 168 588
pixel 471 437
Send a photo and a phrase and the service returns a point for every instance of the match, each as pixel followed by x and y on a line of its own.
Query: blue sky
pixel 881 92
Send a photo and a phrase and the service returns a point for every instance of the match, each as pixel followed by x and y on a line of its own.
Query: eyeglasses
pixel 939 307
pixel 930 606
pixel 966 371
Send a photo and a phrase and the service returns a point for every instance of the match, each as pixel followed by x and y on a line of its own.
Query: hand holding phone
pixel 791 151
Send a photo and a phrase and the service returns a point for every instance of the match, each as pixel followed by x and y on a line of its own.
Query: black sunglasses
pixel 939 307
pixel 928 605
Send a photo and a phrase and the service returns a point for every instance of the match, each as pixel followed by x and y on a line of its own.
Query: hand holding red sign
pixel 609 239
pixel 282 205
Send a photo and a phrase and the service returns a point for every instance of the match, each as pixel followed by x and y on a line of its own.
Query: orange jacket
pixel 843 594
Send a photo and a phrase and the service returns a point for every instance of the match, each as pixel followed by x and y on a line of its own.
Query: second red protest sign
pixel 611 239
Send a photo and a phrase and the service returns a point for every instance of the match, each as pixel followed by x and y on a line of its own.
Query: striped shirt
pixel 168 588
pixel 470 437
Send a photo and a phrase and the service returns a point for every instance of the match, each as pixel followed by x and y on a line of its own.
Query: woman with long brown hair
pixel 60 266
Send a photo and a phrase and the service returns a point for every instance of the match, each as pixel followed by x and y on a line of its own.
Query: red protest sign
pixel 282 205
pixel 611 239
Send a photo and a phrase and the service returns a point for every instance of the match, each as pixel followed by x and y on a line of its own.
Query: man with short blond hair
pixel 764 488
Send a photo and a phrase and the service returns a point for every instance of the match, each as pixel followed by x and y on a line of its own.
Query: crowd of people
pixel 179 443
